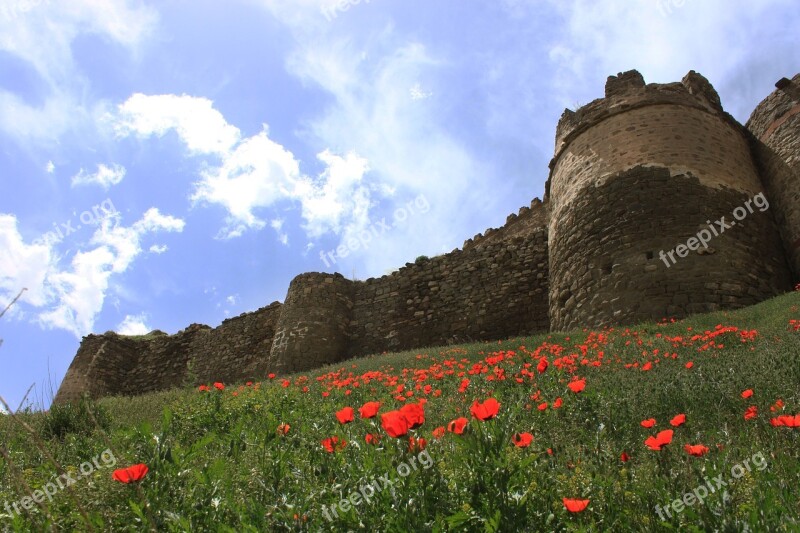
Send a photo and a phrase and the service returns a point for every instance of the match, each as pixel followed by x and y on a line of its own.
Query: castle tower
pixel 635 176
pixel 313 329
pixel 775 124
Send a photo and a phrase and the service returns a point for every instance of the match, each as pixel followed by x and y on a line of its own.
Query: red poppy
pixel 661 439
pixel 130 474
pixel 689 364
pixel 345 415
pixel 486 410
pixel 414 413
pixel 457 426
pixel 542 366
pixel 369 409
pixel 747 393
pixel 522 440
pixel 558 403
pixel 678 420
pixel 650 422
pixel 219 386
pixel 416 445
pixel 204 388
pixel 697 450
pixel 271 376
pixel 624 457
pixel 372 439
pixel 284 429
pixel 542 406
pixel 778 405
pixel 788 421
pixel 333 444
pixel 395 423
pixel 577 386
pixel 751 412
pixel 438 433
pixel 575 506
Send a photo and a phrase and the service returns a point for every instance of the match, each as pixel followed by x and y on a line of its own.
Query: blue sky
pixel 171 162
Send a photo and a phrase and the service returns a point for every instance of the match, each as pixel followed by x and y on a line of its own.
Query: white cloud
pixel 105 176
pixel 71 298
pixel 50 167
pixel 158 249
pixel 201 127
pixel 42 35
pixel 134 325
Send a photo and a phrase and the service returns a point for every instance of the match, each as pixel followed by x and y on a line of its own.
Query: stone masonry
pixel 635 175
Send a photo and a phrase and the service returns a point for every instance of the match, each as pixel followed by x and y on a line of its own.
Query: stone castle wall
pixel 635 174
pixel 775 125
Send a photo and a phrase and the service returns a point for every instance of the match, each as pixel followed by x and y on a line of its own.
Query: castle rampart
pixel 635 175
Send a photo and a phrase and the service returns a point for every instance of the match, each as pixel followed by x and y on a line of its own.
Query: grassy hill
pixel 251 457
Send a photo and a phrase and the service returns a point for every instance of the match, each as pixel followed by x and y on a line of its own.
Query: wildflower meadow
pixel 690 425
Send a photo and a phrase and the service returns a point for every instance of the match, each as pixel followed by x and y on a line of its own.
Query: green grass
pixel 217 462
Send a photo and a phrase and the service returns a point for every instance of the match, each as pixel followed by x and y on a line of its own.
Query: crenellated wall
pixel 635 174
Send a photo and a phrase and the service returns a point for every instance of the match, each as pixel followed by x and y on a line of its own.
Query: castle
pixel 658 204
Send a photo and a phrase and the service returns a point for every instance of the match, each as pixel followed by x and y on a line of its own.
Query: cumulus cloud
pixel 158 249
pixel 201 127
pixel 134 325
pixel 105 176
pixel 253 173
pixel 71 297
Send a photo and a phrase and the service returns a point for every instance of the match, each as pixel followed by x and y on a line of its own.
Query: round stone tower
pixel 775 125
pixel 638 179
pixel 313 328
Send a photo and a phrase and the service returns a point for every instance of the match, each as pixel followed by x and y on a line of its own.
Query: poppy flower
pixel 689 364
pixel 417 445
pixel 372 439
pixel 345 415
pixel 204 388
pixel 678 420
pixel 369 409
pixel 522 440
pixel 575 506
pixel 747 393
pixel 778 405
pixel 558 403
pixel 333 444
pixel 486 410
pixel 661 439
pixel 788 421
pixel 697 450
pixel 395 423
pixel 271 376
pixel 414 413
pixel 751 412
pixel 542 366
pixel 438 433
pixel 577 386
pixel 650 422
pixel 457 426
pixel 284 429
pixel 219 386
pixel 624 457
pixel 130 474
pixel 542 406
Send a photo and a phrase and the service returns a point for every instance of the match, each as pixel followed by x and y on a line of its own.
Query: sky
pixel 180 161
